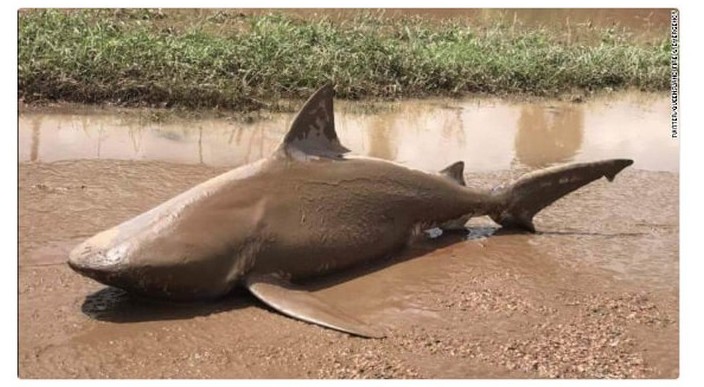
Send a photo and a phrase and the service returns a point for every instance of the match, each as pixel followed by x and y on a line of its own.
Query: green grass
pixel 242 63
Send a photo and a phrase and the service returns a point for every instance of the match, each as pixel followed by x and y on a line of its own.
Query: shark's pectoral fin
pixel 313 130
pixel 298 303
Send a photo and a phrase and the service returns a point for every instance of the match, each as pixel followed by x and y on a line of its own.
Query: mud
pixel 594 294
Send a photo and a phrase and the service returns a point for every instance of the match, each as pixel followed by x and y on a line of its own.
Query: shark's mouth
pixel 104 276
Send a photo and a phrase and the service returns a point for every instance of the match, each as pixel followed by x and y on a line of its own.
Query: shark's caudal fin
pixel 312 132
pixel 532 192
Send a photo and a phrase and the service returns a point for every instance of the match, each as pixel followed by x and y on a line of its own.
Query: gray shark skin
pixel 305 211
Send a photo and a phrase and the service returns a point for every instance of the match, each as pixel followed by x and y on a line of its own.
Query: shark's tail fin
pixel 532 192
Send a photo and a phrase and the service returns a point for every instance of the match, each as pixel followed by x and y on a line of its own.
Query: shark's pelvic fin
pixel 300 304
pixel 313 130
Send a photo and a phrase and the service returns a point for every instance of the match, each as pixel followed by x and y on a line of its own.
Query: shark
pixel 309 209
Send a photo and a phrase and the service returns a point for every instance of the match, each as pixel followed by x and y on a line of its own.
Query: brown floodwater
pixel 570 23
pixel 593 294
pixel 488 134
pixel 641 20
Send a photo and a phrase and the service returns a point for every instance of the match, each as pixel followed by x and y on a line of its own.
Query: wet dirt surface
pixel 593 294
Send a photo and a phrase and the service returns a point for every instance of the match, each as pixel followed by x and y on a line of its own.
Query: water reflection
pixel 408 133
pixel 548 135
pixel 33 155
pixel 379 139
pixel 488 134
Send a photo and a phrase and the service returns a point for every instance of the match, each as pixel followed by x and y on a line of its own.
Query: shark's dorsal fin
pixel 455 172
pixel 313 130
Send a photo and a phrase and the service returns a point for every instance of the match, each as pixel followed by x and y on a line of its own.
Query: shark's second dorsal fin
pixel 455 172
pixel 313 130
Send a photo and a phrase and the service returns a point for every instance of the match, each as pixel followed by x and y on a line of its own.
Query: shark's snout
pixel 96 262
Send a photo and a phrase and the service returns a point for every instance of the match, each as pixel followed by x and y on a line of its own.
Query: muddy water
pixel 490 135
pixel 644 23
pixel 595 294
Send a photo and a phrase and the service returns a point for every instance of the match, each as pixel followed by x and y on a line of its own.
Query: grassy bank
pixel 243 62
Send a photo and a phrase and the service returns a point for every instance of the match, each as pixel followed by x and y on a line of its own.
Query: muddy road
pixel 593 294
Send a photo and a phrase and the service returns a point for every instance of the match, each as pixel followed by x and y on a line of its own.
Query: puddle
pixel 456 290
pixel 488 134
pixel 644 23
pixel 50 254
